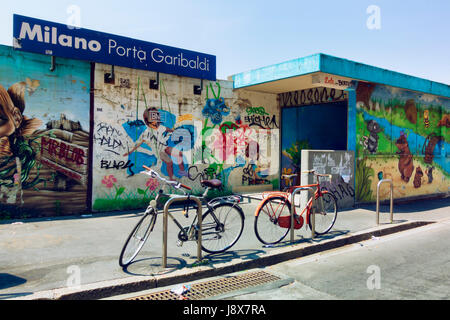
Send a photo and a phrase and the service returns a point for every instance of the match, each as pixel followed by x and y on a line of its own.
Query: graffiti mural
pixel 220 134
pixel 44 133
pixel 402 136
pixel 312 96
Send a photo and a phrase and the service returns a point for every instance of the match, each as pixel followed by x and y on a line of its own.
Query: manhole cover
pixel 213 288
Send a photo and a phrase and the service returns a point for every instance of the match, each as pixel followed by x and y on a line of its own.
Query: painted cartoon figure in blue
pixel 159 139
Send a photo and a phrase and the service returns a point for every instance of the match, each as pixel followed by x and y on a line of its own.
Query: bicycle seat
pixel 214 184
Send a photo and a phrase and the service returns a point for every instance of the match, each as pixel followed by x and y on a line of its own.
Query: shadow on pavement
pixel 229 256
pixel 153 266
pixel 412 206
pixel 14 295
pixel 9 281
pixel 302 240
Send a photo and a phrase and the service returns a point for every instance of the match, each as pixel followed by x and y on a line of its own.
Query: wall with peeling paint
pixel 44 160
pixel 222 133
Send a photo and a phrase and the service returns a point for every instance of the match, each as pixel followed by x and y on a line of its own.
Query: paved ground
pixel 411 265
pixel 41 255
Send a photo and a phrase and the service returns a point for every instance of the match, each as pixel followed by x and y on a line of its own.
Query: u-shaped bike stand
pixel 312 216
pixel 378 200
pixel 171 201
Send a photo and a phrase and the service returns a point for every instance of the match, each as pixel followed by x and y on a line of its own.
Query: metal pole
pixel 392 202
pixel 298 190
pixel 392 199
pixel 172 200
pixel 313 218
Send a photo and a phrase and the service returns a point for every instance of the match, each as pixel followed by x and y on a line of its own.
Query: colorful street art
pixel 402 136
pixel 44 134
pixel 184 137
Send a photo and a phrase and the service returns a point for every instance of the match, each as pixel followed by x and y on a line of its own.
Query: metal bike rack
pixel 173 200
pixel 378 200
pixel 313 217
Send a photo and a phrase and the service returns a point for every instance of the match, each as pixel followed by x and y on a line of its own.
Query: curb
pixel 136 284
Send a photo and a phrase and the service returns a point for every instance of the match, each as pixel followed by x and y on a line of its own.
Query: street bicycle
pixel 273 215
pixel 222 223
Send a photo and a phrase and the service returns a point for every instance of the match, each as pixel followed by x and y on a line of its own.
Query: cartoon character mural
pixel 371 142
pixel 410 134
pixel 405 162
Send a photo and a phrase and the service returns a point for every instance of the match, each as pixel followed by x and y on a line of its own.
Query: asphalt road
pixel 413 264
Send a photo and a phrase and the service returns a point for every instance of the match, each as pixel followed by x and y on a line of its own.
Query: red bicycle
pixel 273 215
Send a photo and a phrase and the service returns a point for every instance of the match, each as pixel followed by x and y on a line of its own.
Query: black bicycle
pixel 222 223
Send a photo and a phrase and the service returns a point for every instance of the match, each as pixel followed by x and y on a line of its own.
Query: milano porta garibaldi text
pixel 59 40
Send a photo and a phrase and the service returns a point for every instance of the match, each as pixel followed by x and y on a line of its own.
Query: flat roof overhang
pixel 297 74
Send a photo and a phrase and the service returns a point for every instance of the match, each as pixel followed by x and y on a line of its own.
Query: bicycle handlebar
pixel 318 174
pixel 174 184
pixel 288 176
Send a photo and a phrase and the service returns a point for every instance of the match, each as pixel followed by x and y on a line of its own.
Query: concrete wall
pixel 404 136
pixel 340 164
pixel 46 163
pixel 44 158
pixel 221 133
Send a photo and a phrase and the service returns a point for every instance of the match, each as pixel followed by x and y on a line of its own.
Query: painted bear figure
pixel 405 163
pixel 372 143
pixel 418 178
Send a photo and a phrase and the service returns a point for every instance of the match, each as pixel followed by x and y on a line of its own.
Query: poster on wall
pixel 44 133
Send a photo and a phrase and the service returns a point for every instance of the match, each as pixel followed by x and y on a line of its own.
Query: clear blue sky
pixel 248 34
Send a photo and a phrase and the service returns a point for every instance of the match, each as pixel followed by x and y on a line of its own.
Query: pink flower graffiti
pixel 152 184
pixel 109 181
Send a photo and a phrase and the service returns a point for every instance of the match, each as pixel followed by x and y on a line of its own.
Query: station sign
pixel 60 40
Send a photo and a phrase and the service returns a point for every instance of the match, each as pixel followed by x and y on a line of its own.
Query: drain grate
pixel 213 288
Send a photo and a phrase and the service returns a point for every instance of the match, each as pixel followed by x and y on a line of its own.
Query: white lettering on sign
pixel 45 37
pixel 126 52
pixel 158 56
pixel 51 36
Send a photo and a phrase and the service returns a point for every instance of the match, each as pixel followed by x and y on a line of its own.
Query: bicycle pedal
pixel 180 243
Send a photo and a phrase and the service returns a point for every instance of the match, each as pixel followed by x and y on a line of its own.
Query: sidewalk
pixel 41 258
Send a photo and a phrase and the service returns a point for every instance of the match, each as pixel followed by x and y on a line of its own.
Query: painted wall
pixel 221 133
pixel 403 136
pixel 44 133
pixel 341 165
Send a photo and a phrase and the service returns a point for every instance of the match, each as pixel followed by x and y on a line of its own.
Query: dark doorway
pixel 315 127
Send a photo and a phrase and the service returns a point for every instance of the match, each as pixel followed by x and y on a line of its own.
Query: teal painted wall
pixel 279 71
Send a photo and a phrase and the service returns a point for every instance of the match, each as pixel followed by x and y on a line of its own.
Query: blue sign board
pixel 60 40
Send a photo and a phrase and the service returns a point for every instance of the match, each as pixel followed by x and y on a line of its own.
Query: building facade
pixel 75 134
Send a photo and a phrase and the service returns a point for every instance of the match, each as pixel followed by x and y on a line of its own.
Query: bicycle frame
pixel 188 232
pixel 288 193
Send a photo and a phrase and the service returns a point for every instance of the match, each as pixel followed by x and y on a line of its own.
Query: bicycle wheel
pixel 273 211
pixel 326 213
pixel 219 236
pixel 137 238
